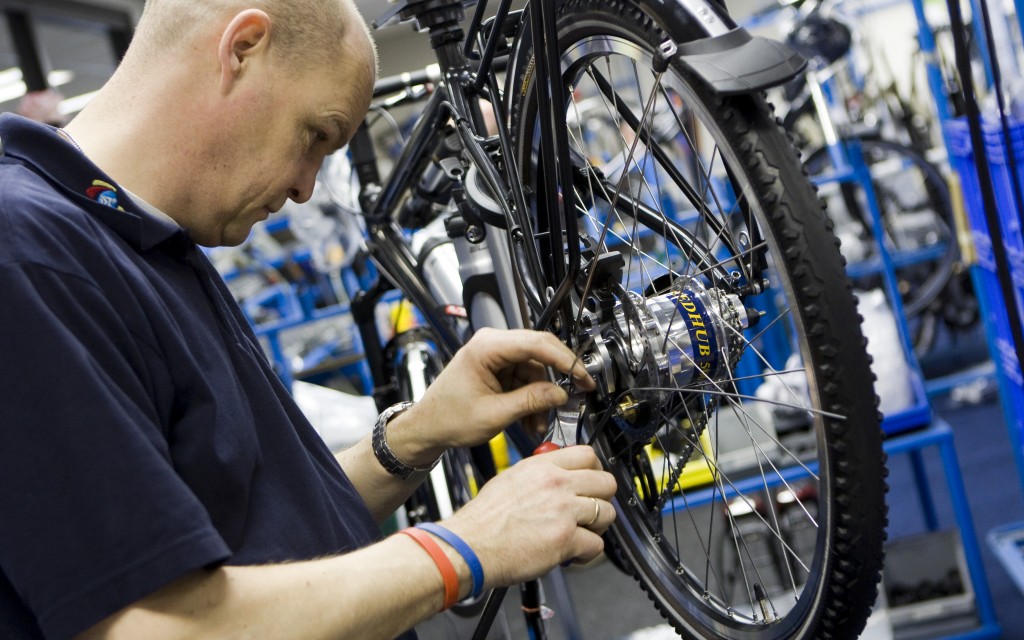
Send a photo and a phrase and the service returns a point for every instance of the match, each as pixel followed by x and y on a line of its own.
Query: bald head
pixel 222 110
pixel 305 32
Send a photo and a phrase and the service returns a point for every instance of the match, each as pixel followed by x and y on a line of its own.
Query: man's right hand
pixel 538 514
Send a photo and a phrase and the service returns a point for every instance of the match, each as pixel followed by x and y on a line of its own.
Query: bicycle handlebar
pixel 407 80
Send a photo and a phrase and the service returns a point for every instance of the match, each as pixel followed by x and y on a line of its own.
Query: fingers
pixel 587 545
pixel 576 457
pixel 527 372
pixel 605 517
pixel 595 518
pixel 596 515
pixel 528 400
pixel 593 486
pixel 596 484
pixel 587 478
pixel 506 348
pixel 543 511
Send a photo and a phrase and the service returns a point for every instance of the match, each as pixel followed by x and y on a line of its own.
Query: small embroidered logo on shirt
pixel 103 193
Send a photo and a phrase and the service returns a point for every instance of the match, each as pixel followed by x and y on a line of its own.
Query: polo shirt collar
pixel 45 151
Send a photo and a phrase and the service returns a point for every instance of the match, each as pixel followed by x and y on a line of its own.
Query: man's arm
pixel 376 592
pixel 497 378
pixel 521 525
pixel 382 492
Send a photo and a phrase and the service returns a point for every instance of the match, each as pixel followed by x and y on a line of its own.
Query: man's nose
pixel 302 190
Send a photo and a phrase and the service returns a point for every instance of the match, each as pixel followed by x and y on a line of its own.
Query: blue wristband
pixel 476 570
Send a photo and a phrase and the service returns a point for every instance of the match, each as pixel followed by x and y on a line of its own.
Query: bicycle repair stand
pixel 935 556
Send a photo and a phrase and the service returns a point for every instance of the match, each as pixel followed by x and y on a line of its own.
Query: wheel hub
pixel 643 351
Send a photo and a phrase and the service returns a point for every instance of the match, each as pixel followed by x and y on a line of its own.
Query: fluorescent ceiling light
pixel 60 77
pixel 13 87
pixel 10 76
pixel 12 91
pixel 76 103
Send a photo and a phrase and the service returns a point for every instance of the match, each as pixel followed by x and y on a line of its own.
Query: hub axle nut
pixel 628 408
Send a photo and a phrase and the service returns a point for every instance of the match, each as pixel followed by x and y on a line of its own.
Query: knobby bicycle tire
pixel 737 229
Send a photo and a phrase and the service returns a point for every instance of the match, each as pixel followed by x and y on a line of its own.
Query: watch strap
pixel 382 451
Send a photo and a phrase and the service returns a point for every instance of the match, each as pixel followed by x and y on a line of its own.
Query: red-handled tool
pixel 546 447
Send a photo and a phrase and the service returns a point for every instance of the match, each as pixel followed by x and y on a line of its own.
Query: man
pixel 155 479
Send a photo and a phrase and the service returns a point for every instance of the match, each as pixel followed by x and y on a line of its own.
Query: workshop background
pixel 954 565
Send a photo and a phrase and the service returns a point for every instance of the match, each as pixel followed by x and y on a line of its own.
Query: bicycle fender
pixel 737 62
pixel 729 59
pixel 722 54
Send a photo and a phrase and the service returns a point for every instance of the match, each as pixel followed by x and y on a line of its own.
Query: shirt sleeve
pixel 93 516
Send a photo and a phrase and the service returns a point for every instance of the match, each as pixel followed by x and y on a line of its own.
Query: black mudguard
pixel 737 62
pixel 727 58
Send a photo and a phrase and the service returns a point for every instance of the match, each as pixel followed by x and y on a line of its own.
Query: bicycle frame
pixel 462 84
pixel 456 100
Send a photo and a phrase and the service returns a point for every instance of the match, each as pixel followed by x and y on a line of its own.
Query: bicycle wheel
pixel 917 217
pixel 712 306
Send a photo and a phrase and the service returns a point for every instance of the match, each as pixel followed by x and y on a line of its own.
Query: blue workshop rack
pixel 1005 541
pixel 990 297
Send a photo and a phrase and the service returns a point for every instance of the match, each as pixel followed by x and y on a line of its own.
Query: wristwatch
pixel 382 451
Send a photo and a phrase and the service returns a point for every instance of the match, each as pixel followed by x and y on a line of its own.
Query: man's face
pixel 289 122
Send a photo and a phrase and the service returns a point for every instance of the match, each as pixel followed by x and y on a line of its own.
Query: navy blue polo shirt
pixel 143 435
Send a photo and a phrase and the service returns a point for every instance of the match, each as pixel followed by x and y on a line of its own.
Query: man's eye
pixel 319 136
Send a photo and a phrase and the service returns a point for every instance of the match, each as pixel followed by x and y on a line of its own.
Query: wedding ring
pixel 597 513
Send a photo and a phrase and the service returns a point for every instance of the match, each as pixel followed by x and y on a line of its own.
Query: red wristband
pixel 444 565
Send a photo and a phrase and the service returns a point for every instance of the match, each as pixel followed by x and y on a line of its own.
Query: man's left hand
pixel 497 378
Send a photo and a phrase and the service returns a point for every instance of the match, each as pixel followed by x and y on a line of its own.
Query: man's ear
pixel 247 35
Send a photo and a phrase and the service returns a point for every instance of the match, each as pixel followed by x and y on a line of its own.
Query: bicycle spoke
pixel 644 163
pixel 712 420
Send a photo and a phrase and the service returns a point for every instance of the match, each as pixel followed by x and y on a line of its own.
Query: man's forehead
pixel 343 99
pixel 349 82
pixel 356 70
